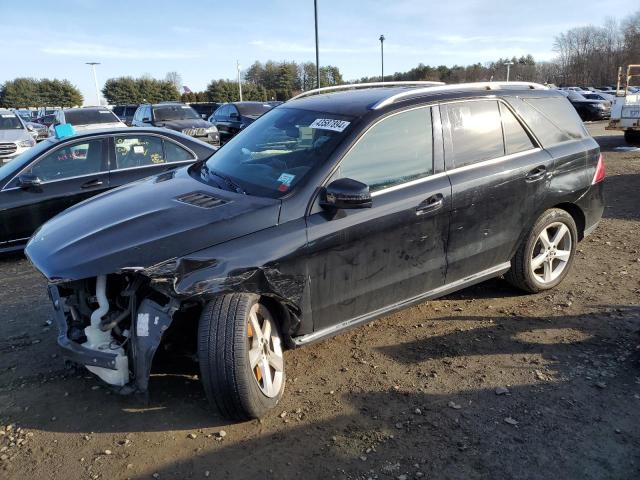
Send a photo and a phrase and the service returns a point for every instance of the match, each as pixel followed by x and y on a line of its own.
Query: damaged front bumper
pixel 124 361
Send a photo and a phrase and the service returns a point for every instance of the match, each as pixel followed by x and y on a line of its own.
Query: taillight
pixel 600 171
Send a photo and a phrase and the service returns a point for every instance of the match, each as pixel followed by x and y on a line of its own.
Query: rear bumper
pixel 592 205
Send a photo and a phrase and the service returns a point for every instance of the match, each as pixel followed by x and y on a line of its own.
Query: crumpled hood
pixel 14 135
pixel 180 125
pixel 142 224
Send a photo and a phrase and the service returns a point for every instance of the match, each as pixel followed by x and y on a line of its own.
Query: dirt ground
pixel 485 383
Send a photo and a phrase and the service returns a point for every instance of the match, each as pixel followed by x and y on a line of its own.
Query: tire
pixel 632 137
pixel 541 263
pixel 230 336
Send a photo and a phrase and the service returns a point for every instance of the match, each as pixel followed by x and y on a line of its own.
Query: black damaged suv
pixel 329 211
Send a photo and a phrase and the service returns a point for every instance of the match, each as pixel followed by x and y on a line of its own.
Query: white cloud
pixel 95 50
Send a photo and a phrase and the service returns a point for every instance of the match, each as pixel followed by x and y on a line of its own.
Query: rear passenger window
pixel 139 151
pixel 396 150
pixel 516 138
pixel 476 132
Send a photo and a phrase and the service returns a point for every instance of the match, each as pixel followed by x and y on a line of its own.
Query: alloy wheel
pixel 265 351
pixel 551 252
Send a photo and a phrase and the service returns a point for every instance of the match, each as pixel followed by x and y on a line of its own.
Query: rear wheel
pixel 546 254
pixel 241 357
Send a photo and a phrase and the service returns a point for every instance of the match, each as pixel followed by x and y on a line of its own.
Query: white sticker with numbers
pixel 329 124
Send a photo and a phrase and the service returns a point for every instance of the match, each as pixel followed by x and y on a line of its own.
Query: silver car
pixel 15 138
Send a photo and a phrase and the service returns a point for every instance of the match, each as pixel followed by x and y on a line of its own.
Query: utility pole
pixel 315 13
pixel 239 83
pixel 95 79
pixel 508 64
pixel 382 55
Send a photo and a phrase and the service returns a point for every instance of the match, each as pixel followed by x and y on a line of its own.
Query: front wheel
pixel 241 357
pixel 545 256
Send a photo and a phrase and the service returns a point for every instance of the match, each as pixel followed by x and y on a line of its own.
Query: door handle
pixel 431 204
pixel 92 183
pixel 536 174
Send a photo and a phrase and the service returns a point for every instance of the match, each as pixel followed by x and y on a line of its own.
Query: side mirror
pixel 146 119
pixel 346 193
pixel 28 181
pixel 30 128
pixel 234 116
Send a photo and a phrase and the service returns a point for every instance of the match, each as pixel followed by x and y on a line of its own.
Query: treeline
pixel 129 90
pixel 591 55
pixel 523 68
pixel 587 56
pixel 268 81
pixel 32 92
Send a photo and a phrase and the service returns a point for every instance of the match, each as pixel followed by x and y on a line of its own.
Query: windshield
pixel 277 151
pixel 174 112
pixel 253 109
pixel 89 117
pixel 8 121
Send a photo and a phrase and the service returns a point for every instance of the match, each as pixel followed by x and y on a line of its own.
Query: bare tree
pixel 175 79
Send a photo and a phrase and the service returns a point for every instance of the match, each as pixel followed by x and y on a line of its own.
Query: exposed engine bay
pixel 113 325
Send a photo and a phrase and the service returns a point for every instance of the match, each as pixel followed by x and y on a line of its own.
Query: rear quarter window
pixel 553 119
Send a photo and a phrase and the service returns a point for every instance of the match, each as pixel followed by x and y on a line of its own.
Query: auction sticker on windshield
pixel 329 124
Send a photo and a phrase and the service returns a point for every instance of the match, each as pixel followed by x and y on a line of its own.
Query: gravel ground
pixel 485 383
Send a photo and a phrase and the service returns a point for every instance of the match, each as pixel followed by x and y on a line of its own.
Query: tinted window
pixel 253 109
pixel 175 153
pixel 174 112
pixel 71 161
pixel 396 150
pixel 553 120
pixel 476 131
pixel 516 138
pixel 138 151
pixel 89 116
pixel 8 121
pixel 222 112
pixel 119 111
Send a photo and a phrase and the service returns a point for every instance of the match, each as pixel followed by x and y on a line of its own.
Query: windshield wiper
pixel 230 183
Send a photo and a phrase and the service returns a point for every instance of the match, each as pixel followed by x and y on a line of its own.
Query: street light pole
pixel 508 64
pixel 315 13
pixel 239 83
pixel 95 79
pixel 382 55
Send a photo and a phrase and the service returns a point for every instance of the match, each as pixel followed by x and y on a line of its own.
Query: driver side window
pixel 396 150
pixel 74 160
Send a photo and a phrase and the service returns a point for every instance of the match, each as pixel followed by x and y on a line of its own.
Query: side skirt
pixel 431 294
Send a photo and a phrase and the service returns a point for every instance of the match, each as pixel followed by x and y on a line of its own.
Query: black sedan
pixel 589 109
pixel 230 118
pixel 58 173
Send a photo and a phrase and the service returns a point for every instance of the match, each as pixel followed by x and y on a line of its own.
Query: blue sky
pixel 202 40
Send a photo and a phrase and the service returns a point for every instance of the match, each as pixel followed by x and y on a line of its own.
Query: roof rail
pixel 458 86
pixel 349 86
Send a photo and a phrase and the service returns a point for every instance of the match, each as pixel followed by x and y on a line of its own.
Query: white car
pixel 15 137
pixel 87 118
